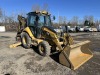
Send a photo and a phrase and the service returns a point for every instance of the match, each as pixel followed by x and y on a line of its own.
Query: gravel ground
pixel 20 61
pixel 92 67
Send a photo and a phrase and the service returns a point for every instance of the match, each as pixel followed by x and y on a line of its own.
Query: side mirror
pixel 52 18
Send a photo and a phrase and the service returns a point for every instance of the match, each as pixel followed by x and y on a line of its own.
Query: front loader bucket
pixel 75 55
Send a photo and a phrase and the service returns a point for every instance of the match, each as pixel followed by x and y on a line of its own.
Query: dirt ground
pixel 20 61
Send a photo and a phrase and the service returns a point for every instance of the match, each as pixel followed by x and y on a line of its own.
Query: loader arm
pixel 53 37
pixel 72 55
pixel 67 39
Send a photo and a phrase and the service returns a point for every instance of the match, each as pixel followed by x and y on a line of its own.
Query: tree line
pixel 75 21
pixel 11 21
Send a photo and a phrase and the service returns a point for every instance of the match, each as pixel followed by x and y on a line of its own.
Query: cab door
pixel 35 23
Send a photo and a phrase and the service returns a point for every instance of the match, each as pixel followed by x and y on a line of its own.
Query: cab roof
pixel 38 12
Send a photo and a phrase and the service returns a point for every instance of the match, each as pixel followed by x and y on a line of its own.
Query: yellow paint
pixel 77 55
pixel 31 35
pixel 15 45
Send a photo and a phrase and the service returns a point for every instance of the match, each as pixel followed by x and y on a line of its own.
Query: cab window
pixel 32 20
pixel 41 21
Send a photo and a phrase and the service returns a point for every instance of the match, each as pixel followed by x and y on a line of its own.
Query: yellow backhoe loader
pixel 37 30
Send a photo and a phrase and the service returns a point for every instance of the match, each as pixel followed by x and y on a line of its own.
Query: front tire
pixel 44 48
pixel 26 40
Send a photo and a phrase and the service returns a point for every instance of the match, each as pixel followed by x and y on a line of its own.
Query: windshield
pixel 31 20
pixel 42 20
pixel 48 21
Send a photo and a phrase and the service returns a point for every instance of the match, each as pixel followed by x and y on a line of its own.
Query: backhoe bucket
pixel 75 55
pixel 15 45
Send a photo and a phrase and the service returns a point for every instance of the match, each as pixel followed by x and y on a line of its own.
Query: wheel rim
pixel 42 49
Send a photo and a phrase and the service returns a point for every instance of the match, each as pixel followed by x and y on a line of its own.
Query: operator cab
pixel 36 20
pixel 39 19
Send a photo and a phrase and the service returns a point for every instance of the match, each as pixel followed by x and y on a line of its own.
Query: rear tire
pixel 26 40
pixel 44 48
pixel 18 36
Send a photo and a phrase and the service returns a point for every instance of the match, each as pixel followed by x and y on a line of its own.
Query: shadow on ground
pixel 4 37
pixel 53 56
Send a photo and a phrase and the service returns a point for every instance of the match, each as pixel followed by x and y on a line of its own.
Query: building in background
pixel 2 29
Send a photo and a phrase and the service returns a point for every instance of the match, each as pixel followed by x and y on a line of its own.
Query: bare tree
pixel 36 8
pixel 64 20
pixel 1 16
pixel 60 19
pixel 45 7
pixel 1 13
pixel 85 18
pixel 97 22
pixel 80 22
pixel 74 21
pixel 91 19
